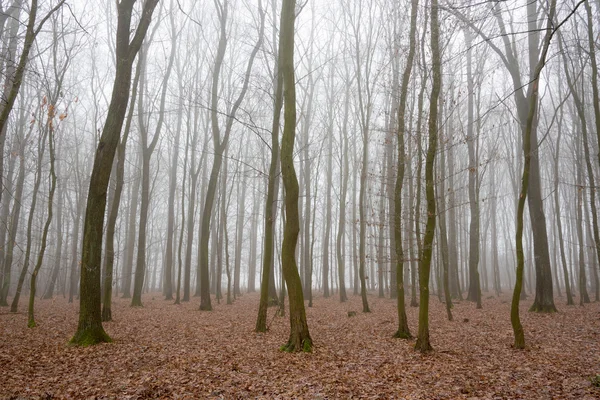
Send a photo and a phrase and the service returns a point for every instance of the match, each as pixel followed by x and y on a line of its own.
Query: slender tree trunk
pixel 270 209
pixel 49 293
pixel 474 294
pixel 36 186
pixel 14 221
pixel 299 339
pixel 109 253
pixel 40 259
pixel 528 156
pixel 220 144
pixel 132 225
pixel 423 343
pixel 403 329
pixel 253 245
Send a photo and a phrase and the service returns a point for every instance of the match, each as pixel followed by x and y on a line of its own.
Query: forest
pixel 299 199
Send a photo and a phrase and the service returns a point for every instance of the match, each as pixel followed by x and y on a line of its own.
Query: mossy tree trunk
pixel 423 343
pixel 403 329
pixel 89 329
pixel 519 342
pixel 299 339
pixel 261 320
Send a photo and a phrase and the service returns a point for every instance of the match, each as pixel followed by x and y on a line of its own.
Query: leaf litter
pixel 176 351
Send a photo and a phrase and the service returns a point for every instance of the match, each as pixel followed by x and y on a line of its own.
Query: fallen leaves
pixel 169 351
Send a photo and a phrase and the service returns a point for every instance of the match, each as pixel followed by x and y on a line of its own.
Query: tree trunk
pixel 299 339
pixel 344 175
pixel 220 144
pixel 474 294
pixel 270 209
pixel 109 253
pixel 14 221
pixel 51 112
pixel 90 330
pixel 36 186
pixel 529 154
pixel 403 329
pixel 423 344
pixel 49 292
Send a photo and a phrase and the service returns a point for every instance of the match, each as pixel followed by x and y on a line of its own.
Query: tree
pixel 403 329
pixel 423 343
pixel 147 149
pixel 474 226
pixel 51 115
pixel 261 320
pixel 168 272
pixel 89 329
pixel 109 254
pixel 528 153
pixel 299 339
pixel 544 298
pixel 220 144
pixel 21 141
pixel 15 75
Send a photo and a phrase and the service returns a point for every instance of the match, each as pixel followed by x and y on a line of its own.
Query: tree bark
pixel 423 344
pixel 529 153
pixel 474 294
pixel 299 339
pixel 403 329
pixel 90 330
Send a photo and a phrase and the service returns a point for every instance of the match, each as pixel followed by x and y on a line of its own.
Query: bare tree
pixel 90 330
pixel 423 343
pixel 220 144
pixel 403 329
pixel 299 339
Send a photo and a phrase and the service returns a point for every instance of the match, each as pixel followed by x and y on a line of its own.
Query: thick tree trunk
pixel 90 330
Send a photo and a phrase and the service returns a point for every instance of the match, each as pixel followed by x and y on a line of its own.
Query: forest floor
pixel 167 351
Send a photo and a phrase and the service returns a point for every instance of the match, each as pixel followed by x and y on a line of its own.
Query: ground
pixel 176 351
